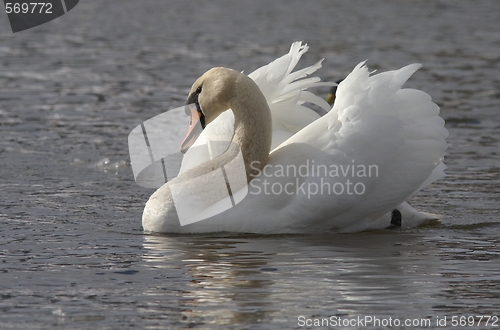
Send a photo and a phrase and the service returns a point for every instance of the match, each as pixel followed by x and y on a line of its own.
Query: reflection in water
pixel 228 279
pixel 252 279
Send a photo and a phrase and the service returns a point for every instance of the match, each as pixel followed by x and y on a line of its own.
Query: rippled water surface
pixel 72 251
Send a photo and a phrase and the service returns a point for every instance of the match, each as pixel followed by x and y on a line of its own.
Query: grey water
pixel 72 251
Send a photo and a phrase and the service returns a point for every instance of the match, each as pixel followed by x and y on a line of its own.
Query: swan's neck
pixel 252 125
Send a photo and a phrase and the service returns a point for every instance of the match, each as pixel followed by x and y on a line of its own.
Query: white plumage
pixel 374 122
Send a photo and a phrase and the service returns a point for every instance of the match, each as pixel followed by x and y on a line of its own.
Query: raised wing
pixel 374 123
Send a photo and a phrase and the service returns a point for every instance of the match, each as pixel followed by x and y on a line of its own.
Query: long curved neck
pixel 252 125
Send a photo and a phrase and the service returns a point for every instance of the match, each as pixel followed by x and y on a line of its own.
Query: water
pixel 73 255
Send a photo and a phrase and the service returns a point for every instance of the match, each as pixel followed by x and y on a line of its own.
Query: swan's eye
pixel 193 97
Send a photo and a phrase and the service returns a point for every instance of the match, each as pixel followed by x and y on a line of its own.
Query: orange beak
pixel 194 129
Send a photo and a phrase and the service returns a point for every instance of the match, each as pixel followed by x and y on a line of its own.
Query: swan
pixel 374 122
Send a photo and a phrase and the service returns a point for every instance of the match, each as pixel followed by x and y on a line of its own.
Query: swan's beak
pixel 194 130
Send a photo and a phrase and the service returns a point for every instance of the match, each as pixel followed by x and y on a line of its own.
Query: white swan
pixel 373 122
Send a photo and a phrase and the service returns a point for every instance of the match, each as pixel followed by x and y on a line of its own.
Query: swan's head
pixel 210 95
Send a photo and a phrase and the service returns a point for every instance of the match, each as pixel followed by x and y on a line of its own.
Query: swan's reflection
pixel 225 279
pixel 252 279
